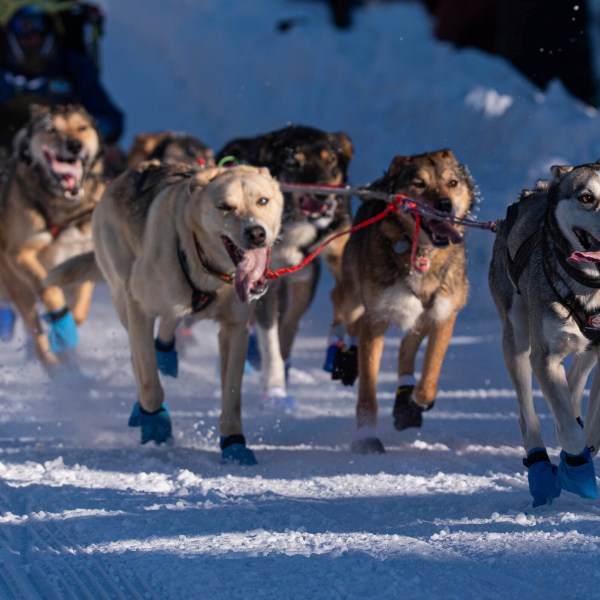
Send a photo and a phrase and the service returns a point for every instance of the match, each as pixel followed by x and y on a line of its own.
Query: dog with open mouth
pixel 545 280
pixel 173 242
pixel 300 155
pixel 395 273
pixel 49 188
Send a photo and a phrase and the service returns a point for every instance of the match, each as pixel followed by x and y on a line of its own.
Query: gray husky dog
pixel 545 280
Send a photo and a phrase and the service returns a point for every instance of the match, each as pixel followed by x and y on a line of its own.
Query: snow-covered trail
pixel 86 512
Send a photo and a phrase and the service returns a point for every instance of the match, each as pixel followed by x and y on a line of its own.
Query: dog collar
pixel 200 298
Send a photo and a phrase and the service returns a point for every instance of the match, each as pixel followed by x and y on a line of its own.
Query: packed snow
pixel 88 512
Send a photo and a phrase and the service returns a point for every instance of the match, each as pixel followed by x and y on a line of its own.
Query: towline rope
pixel 396 204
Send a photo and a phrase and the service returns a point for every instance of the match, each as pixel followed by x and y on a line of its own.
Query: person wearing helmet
pixel 35 67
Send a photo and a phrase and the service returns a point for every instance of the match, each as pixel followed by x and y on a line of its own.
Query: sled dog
pixel 545 280
pixel 170 146
pixel 48 190
pixel 297 155
pixel 390 278
pixel 171 242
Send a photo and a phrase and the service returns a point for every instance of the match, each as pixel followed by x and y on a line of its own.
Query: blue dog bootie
pixel 576 474
pixel 332 350
pixel 166 357
pixel 156 427
pixel 8 320
pixel 234 450
pixel 542 477
pixel 63 332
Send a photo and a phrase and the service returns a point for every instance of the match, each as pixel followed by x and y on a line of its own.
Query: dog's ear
pixel 559 170
pixel 343 145
pixel 447 153
pixel 398 163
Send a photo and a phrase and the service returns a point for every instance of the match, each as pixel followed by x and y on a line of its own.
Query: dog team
pixel 186 233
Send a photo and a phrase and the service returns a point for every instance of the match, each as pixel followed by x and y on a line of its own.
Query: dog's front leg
pixel 370 349
pixel 439 334
pixel 577 377
pixel 267 329
pixel 25 301
pixel 149 412
pixel 550 374
pixel 576 471
pixel 233 341
pixel 299 294
pixel 34 272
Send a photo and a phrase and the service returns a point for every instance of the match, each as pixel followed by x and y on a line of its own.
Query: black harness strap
pixel 200 298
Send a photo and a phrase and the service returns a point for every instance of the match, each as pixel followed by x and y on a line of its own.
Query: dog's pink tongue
pixel 588 256
pixel 249 271
pixel 447 230
pixel 70 173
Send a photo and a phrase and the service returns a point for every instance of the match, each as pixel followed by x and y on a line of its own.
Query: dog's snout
pixel 73 145
pixel 444 204
pixel 256 235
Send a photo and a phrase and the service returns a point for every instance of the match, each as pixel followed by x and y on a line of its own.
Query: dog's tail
pixel 76 269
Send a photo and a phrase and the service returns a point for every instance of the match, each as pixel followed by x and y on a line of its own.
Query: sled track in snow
pixel 56 567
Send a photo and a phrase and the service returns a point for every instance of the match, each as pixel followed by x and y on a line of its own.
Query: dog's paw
pixel 345 365
pixel 62 333
pixel 576 474
pixel 234 450
pixel 542 477
pixel 166 357
pixel 407 413
pixel 156 427
pixel 367 445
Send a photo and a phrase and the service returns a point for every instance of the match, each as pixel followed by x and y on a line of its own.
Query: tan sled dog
pixel 48 190
pixel 383 286
pixel 171 242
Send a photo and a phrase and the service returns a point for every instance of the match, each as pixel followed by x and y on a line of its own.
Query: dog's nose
pixel 444 204
pixel 256 235
pixel 73 145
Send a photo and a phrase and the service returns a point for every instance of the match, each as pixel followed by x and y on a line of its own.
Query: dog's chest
pixel 398 305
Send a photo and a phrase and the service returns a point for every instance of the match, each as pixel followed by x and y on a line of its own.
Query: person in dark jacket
pixel 36 67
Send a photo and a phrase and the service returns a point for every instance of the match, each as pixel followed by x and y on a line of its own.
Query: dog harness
pixel 200 298
pixel 587 321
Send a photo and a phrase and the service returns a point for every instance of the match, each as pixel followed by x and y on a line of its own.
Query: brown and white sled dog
pixel 171 147
pixel 297 155
pixel 48 190
pixel 171 242
pixel 545 280
pixel 382 286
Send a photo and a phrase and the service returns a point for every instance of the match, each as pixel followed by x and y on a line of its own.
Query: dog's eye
pixel 225 207
pixel 586 198
pixel 417 183
pixel 452 183
pixel 83 128
pixel 263 201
